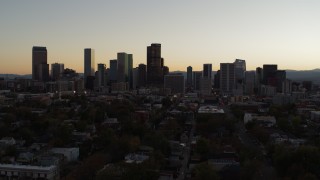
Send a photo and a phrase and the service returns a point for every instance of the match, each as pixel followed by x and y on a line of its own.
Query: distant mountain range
pixel 302 75
pixel 12 76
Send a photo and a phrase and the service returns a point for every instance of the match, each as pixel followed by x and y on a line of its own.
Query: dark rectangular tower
pixel 40 70
pixel 154 65
pixel 269 74
pixel 142 75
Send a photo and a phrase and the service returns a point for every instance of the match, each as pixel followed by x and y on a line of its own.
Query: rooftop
pixel 210 109
pixel 27 167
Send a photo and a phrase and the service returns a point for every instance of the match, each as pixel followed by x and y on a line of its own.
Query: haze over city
pixel 191 33
pixel 160 90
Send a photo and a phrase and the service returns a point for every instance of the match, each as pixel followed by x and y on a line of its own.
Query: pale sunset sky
pixel 283 32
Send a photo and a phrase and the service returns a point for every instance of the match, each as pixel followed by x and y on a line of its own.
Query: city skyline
pixel 191 34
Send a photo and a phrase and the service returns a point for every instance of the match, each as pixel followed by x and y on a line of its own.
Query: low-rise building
pixel 14 171
pixel 219 164
pixel 9 141
pixel 135 158
pixel 315 116
pixel 70 154
pixel 266 121
pixel 208 109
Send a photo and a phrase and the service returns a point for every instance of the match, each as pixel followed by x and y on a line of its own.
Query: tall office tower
pixel 135 78
pixel 88 66
pixel 205 86
pixel 174 82
pixel 40 68
pixel 154 65
pixel 216 80
pixel 142 75
pixel 207 71
pixel 129 72
pixel 280 78
pixel 196 79
pixel 189 76
pixel 125 62
pixel 113 71
pixel 259 76
pixel 56 71
pixel 269 71
pixel 227 78
pixel 249 82
pixel 101 79
pixel 122 67
pixel 239 68
pixel 259 79
pixel 43 72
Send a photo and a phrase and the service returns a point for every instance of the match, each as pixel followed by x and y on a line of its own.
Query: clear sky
pixel 283 32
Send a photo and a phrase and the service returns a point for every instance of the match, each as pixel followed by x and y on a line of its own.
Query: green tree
pixel 202 146
pixel 250 168
pixel 204 171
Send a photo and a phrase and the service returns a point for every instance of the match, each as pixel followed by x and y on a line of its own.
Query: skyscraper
pixel 56 71
pixel 269 72
pixel 249 82
pixel 113 70
pixel 239 68
pixel 88 65
pixel 227 78
pixel 259 79
pixel 207 71
pixel 196 79
pixel 216 80
pixel 40 68
pixel 189 76
pixel 135 78
pixel 154 65
pixel 101 75
pixel 205 86
pixel 129 72
pixel 281 76
pixel 142 75
pixel 124 69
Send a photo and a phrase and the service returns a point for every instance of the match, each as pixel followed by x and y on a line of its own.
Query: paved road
pixel 186 155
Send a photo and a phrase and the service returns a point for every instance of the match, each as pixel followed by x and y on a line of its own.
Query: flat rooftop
pixel 210 109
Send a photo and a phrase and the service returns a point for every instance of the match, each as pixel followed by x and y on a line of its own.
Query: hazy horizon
pixel 191 33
